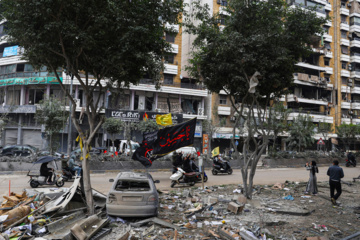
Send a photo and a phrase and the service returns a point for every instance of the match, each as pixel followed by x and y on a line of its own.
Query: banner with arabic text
pixel 143 154
pixel 171 138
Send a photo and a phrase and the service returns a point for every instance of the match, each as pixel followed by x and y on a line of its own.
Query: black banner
pixel 143 154
pixel 171 138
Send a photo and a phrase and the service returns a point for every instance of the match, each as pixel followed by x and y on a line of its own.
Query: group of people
pixel 335 174
pixel 48 173
pixel 185 161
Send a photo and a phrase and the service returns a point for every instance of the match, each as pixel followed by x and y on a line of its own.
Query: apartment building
pixel 326 84
pixel 22 88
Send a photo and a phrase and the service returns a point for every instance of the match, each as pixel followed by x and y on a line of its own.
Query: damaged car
pixel 133 195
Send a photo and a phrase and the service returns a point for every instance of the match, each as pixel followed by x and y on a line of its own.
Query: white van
pixel 125 148
pixel 185 150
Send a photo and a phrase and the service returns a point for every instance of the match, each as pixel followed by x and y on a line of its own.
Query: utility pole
pixel 70 120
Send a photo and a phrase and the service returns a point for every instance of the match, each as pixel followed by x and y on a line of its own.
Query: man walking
pixel 335 174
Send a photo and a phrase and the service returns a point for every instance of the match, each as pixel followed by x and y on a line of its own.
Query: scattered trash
pixel 289 197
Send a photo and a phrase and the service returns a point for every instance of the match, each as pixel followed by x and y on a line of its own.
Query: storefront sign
pixel 137 116
pixel 225 136
pixel 29 81
pixel 10 51
pixel 198 130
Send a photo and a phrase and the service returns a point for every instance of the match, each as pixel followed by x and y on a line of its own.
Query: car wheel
pixel 230 171
pixel 205 178
pixel 172 184
pixel 34 184
pixel 60 183
pixel 214 172
pixel 192 184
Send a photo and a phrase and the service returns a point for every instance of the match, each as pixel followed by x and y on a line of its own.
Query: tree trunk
pixel 51 150
pixel 86 180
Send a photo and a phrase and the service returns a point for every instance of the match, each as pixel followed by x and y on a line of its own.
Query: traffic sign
pixel 320 142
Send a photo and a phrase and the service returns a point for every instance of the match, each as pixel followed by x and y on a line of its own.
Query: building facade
pixel 22 88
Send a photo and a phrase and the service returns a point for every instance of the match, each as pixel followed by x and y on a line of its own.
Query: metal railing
pixel 178 85
pixel 308 112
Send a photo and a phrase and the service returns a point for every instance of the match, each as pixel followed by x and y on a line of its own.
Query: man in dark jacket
pixel 46 172
pixel 335 174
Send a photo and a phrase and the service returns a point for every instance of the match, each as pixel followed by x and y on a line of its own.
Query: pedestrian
pixel 335 174
pixel 311 186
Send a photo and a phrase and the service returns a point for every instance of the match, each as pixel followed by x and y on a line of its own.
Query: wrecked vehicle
pixel 133 194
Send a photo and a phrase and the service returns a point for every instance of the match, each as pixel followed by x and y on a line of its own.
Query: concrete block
pixel 235 208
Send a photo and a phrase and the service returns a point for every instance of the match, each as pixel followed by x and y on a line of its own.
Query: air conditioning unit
pixel 233 119
pixel 350 112
pixel 77 102
pixel 349 4
pixel 218 1
pixel 200 111
pixel 350 80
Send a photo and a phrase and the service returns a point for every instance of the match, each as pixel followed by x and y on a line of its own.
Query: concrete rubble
pixel 216 212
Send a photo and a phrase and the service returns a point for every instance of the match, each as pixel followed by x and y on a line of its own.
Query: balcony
pixel 172 27
pixel 344 26
pixel 329 70
pixel 355 74
pixel 329 24
pixel 354 28
pixel 222 11
pixel 351 105
pixel 344 11
pixel 355 42
pixel 350 89
pixel 348 120
pixel 224 111
pixel 327 38
pixel 344 42
pixel 294 98
pixel 171 69
pixel 355 57
pixel 315 116
pixel 175 88
pixel 309 80
pixel 175 48
pixel 345 73
pixel 344 58
pixel 328 54
pixel 310 66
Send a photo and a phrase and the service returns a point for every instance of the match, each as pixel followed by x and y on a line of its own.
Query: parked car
pixel 124 147
pixel 93 151
pixel 133 195
pixel 19 150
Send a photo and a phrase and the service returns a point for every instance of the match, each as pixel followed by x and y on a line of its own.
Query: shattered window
pixel 131 185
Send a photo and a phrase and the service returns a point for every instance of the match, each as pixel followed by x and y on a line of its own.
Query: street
pixel 101 182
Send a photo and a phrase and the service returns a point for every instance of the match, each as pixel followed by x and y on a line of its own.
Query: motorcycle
pixel 349 162
pixel 198 173
pixel 38 180
pixel 67 174
pixel 183 178
pixel 217 168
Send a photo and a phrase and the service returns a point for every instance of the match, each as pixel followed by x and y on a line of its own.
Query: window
pixel 169 58
pixel 224 3
pixel 168 79
pixel 326 62
pixel 344 81
pixel 132 185
pixel 343 34
pixel 355 21
pixel 223 100
pixel 343 19
pixel 170 37
pixel 344 50
pixel 343 65
pixel 326 29
pixel 222 20
pixel 327 46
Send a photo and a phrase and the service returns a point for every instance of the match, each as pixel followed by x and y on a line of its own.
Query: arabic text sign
pixel 29 81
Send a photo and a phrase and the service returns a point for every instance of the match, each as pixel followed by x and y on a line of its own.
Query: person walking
pixel 335 174
pixel 311 186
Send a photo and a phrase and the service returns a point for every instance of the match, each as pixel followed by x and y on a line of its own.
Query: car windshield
pixel 31 147
pixel 131 185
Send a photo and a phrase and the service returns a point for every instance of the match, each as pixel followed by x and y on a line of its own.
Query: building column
pixel 5 96
pixel 156 100
pixel 132 102
pixel 22 95
pixel 76 91
pixel 48 91
pixel 19 132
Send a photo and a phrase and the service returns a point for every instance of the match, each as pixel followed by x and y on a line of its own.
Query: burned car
pixel 133 195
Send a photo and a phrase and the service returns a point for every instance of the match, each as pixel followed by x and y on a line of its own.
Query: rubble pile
pixel 281 211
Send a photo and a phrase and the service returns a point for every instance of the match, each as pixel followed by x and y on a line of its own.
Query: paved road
pixel 101 182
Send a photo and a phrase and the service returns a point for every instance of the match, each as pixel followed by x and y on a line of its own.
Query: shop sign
pixel 18 109
pixel 226 136
pixel 29 81
pixel 205 143
pixel 198 130
pixel 137 116
pixel 10 51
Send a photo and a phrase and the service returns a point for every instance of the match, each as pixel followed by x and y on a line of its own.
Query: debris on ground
pixel 280 211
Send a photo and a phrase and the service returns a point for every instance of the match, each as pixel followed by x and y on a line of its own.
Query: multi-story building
pixel 327 83
pixel 23 87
